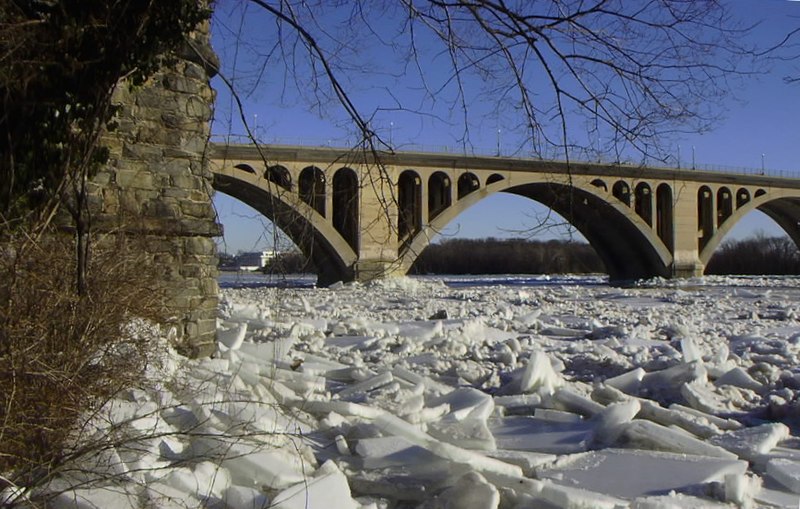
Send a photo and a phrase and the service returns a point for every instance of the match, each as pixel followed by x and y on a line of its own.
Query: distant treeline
pixel 507 256
pixel 752 256
pixel 758 255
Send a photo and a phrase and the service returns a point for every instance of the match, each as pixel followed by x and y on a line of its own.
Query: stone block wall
pixel 157 187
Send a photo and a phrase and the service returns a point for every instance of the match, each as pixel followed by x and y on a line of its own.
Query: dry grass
pixel 60 354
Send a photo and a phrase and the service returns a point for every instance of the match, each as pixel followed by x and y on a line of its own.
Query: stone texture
pixel 157 185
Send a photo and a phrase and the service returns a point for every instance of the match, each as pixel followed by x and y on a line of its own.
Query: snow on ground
pixel 469 393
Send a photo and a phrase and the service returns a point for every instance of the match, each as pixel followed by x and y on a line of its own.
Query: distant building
pixel 253 261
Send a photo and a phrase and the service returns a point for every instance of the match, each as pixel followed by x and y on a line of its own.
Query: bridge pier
pixel 686 261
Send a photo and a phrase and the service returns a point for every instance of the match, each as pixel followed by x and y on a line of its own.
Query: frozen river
pixel 484 392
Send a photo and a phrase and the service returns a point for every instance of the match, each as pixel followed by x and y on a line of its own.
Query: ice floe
pixel 565 393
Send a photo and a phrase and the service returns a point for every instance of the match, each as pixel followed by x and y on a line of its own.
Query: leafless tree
pixel 606 76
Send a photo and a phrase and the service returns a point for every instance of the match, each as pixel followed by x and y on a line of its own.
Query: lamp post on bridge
pixel 762 163
pixel 498 142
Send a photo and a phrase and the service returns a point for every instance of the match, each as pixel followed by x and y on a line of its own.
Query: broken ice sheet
pixel 635 473
pixel 523 433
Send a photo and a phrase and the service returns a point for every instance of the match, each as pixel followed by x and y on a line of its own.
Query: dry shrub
pixel 62 354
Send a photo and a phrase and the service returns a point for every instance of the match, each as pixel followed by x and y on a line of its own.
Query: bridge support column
pixel 156 188
pixel 686 255
pixel 378 216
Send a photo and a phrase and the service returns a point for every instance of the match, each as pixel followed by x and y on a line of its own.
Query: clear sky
pixel 760 124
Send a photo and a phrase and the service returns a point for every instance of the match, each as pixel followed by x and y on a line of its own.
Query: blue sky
pixel 760 122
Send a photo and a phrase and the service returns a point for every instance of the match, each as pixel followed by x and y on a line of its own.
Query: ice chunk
pixel 367 385
pixel 266 353
pixel 675 376
pixel 464 403
pixel 276 468
pixel 609 423
pixel 468 433
pixel 695 423
pixel 471 491
pixel 649 435
pixel 539 375
pixel 92 498
pixel 394 425
pixel 163 496
pixel 352 342
pixel 547 414
pixel 701 396
pixel 519 403
pixel 739 489
pixel 340 407
pixel 390 451
pixel 786 472
pixel 530 434
pixel 691 352
pixel 677 501
pixel 720 422
pixel 630 473
pixel 627 382
pixel 570 400
pixel 232 338
pixel 740 378
pixel 749 443
pixel 527 460
pixel 328 488
pixel 245 497
pixel 565 497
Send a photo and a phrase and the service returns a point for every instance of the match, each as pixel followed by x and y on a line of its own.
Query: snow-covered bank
pixel 407 393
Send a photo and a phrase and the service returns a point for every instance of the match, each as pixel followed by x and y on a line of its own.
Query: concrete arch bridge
pixel 359 217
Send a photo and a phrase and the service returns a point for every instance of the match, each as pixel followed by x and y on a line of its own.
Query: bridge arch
pixel 628 247
pixel 784 210
pixel 319 241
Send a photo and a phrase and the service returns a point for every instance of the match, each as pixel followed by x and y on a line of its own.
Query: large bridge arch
pixel 629 248
pixel 784 210
pixel 319 241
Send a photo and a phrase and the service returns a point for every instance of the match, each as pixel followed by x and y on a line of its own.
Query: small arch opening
pixel 644 203
pixel 345 205
pixel 664 220
pixel 742 197
pixel 622 192
pixel 438 194
pixel 279 176
pixel 409 206
pixel 601 184
pixel 246 167
pixel 494 177
pixel 724 205
pixel 705 216
pixel 467 183
pixel 312 188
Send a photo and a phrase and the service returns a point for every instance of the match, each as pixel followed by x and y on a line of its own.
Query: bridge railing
pixel 554 154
